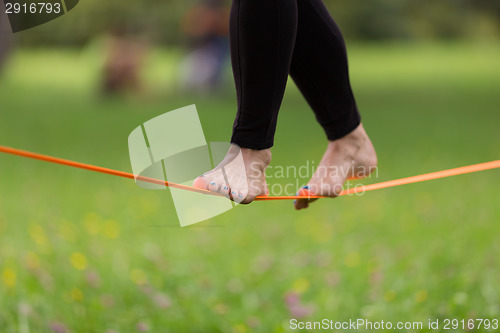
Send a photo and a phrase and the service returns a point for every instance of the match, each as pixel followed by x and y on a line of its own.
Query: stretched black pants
pixel 273 38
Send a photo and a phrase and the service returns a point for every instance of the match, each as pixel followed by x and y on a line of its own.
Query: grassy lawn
pixel 94 253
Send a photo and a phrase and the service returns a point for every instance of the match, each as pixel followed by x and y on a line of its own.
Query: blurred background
pixel 84 252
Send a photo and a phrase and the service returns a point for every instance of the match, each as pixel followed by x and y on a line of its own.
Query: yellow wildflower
pixel 301 285
pixel 76 294
pixel 93 224
pixel 390 295
pixel 421 296
pixel 111 229
pixel 138 276
pixel 9 277
pixel 78 261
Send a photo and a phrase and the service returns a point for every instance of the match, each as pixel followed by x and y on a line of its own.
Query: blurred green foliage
pixel 362 19
pixel 417 19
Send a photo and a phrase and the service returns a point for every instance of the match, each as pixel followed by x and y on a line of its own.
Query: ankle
pixel 354 140
pixel 262 156
pixel 258 158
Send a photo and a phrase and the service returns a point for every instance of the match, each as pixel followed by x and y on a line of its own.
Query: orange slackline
pixel 357 189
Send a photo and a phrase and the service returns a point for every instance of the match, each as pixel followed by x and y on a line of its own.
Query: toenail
pixel 225 188
pixel 305 187
pixel 240 195
pixel 213 183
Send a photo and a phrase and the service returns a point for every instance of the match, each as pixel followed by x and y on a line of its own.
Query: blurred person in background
pixel 124 59
pixel 206 26
pixel 271 39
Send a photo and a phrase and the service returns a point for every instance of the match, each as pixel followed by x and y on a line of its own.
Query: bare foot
pixel 352 156
pixel 240 176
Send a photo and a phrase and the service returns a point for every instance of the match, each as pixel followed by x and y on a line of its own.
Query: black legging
pixel 273 38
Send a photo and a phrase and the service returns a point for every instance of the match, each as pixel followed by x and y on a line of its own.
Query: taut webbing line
pixel 357 189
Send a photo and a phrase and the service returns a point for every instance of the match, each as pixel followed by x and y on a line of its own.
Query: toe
pixel 304 191
pixel 245 200
pixel 240 197
pixel 212 186
pixel 302 203
pixel 224 190
pixel 201 183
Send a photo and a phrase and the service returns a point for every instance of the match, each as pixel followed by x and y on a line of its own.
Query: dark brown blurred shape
pixel 124 59
pixel 206 19
pixel 206 28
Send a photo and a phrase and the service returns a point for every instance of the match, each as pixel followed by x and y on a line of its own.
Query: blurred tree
pixel 372 20
pixel 361 19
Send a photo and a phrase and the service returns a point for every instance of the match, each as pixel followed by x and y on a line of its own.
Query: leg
pixel 319 68
pixel 262 37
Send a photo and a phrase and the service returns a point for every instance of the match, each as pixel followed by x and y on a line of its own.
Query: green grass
pixel 97 253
